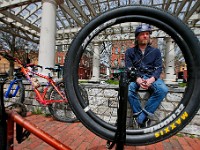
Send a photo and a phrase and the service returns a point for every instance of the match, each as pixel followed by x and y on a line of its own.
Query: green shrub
pixel 115 82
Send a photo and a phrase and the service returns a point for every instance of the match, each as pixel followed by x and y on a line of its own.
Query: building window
pixel 115 63
pixel 122 63
pixel 59 59
pixel 122 49
pixel 65 48
pixel 116 50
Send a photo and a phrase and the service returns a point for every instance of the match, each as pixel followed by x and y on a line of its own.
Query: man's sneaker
pixel 148 122
pixel 145 124
pixel 135 124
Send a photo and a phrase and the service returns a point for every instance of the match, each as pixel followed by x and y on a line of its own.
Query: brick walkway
pixel 77 137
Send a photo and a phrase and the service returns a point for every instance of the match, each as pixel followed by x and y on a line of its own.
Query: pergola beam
pixel 20 20
pixel 167 4
pixel 70 13
pixel 180 7
pixel 32 12
pixel 7 4
pixel 91 8
pixel 19 28
pixel 18 35
pixel 76 5
pixel 191 12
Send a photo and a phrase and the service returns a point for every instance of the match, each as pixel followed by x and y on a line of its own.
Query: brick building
pixel 118 55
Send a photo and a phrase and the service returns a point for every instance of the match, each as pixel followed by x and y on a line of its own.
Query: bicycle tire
pixel 19 97
pixel 3 135
pixel 67 115
pixel 184 38
pixel 3 123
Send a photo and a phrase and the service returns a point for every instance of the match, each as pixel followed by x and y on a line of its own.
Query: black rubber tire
pixel 3 123
pixel 184 38
pixel 20 97
pixel 3 134
pixel 60 111
pixel 69 116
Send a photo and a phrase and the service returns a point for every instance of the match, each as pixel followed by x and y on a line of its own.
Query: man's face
pixel 143 38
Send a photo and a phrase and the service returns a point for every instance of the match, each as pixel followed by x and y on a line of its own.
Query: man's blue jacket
pixel 148 64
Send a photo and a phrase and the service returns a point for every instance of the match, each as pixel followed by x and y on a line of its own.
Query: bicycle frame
pixel 40 97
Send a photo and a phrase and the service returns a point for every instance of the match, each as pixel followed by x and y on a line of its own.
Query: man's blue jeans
pixel 158 92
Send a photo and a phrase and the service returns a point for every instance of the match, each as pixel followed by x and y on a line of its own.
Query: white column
pixel 48 35
pixel 170 77
pixel 96 64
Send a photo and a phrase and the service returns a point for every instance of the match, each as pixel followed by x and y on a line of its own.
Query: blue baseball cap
pixel 142 28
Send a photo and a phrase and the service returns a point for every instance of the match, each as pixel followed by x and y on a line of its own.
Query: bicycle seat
pixel 52 69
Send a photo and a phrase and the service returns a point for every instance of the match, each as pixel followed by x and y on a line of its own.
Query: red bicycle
pixel 51 95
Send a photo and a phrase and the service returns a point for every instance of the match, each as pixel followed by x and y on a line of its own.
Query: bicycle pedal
pixel 26 133
pixel 24 136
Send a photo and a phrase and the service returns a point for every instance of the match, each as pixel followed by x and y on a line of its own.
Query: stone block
pixel 191 129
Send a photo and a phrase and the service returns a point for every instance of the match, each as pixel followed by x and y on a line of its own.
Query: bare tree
pixel 16 47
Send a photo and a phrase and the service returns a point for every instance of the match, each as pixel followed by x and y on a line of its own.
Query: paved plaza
pixel 77 137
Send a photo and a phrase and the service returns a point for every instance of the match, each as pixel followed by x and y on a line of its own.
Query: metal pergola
pixel 22 18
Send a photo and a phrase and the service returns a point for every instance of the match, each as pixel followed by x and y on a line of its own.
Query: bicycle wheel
pixel 3 124
pixel 14 91
pixel 102 120
pixel 63 111
pixel 3 128
pixel 3 134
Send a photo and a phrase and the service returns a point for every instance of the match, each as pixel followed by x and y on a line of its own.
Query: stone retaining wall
pixel 103 101
pixel 109 93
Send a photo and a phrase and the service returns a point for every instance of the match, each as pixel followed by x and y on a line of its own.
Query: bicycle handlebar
pixel 33 65
pixel 52 69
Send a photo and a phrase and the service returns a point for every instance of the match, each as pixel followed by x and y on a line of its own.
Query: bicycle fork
pixel 8 94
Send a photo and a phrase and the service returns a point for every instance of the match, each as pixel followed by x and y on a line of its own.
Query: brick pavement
pixel 77 137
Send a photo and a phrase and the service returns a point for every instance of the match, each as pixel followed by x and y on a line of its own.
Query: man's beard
pixel 143 42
